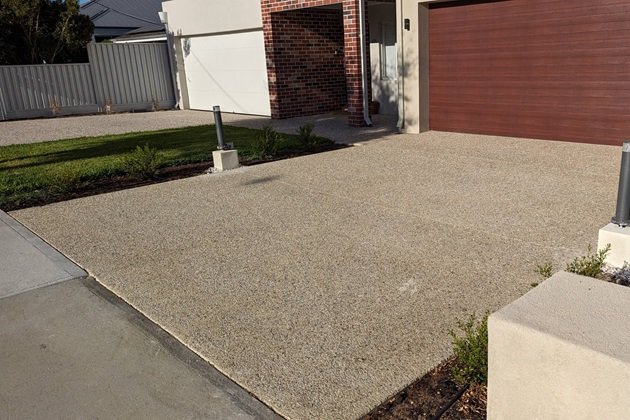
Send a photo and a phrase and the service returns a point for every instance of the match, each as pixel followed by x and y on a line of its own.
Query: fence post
pixel 3 110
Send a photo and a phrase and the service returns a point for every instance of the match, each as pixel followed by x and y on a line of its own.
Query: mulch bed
pixel 432 397
pixel 102 186
pixel 118 183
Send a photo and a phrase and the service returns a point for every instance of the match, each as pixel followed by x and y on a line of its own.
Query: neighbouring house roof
pixel 113 18
pixel 144 34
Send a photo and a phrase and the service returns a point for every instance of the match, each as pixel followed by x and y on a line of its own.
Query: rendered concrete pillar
pixel 619 240
pixel 562 351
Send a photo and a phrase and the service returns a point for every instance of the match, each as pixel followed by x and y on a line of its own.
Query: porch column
pixel 267 7
pixel 352 53
pixel 352 49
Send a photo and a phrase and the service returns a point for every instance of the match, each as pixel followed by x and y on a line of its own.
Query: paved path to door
pixel 332 126
pixel 323 284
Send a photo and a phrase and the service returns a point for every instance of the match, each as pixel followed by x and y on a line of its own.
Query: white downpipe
pixel 364 74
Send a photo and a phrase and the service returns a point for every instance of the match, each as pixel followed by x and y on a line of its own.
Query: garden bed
pixel 434 396
pixel 44 173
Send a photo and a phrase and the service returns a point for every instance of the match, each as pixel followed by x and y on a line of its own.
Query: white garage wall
pixel 220 54
pixel 201 17
pixel 229 70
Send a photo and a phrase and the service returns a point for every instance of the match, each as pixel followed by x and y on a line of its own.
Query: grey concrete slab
pixel 332 126
pixel 27 262
pixel 73 351
pixel 326 283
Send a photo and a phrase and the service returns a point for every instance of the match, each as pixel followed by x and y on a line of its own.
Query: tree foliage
pixel 43 31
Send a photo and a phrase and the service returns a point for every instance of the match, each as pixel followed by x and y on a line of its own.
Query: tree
pixel 43 31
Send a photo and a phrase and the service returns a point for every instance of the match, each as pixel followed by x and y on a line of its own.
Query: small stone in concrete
pixel 225 160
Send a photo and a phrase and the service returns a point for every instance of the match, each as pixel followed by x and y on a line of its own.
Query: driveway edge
pixel 241 397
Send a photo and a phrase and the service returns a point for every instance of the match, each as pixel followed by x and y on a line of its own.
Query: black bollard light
pixel 218 122
pixel 622 216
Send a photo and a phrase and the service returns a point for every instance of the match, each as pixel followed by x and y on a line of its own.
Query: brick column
pixel 352 52
pixel 352 49
pixel 268 7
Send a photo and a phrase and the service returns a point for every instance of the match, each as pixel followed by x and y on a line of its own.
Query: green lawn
pixel 35 171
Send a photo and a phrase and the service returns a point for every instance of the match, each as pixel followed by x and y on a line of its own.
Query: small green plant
pixel 143 162
pixel 471 352
pixel 591 264
pixel 266 145
pixel 64 179
pixel 545 269
pixel 306 137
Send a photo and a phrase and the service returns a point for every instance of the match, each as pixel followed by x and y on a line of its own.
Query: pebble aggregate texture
pixel 324 284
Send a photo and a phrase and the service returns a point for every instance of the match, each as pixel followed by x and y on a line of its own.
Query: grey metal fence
pixel 34 91
pixel 132 76
pixel 118 78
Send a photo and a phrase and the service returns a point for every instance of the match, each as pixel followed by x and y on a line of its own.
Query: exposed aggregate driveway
pixel 323 284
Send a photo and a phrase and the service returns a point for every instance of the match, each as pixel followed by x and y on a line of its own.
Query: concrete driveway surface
pixel 324 284
pixel 332 126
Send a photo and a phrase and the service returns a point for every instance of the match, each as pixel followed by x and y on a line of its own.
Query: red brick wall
pixel 310 77
pixel 352 60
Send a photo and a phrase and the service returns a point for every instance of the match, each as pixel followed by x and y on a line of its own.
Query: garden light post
pixel 622 215
pixel 225 157
pixel 218 123
pixel 616 235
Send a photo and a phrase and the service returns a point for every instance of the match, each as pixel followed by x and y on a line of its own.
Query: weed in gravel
pixel 471 352
pixel 545 269
pixel 591 264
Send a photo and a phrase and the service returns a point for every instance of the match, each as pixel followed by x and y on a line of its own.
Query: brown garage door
pixel 549 69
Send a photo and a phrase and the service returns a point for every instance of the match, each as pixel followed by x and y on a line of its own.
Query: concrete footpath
pixel 69 348
pixel 28 262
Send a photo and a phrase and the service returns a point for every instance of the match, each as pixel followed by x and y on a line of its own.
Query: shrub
pixel 471 352
pixel 306 137
pixel 591 264
pixel 266 145
pixel 143 162
pixel 63 179
pixel 545 269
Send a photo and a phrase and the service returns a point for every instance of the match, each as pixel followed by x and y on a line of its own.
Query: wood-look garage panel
pixel 551 69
